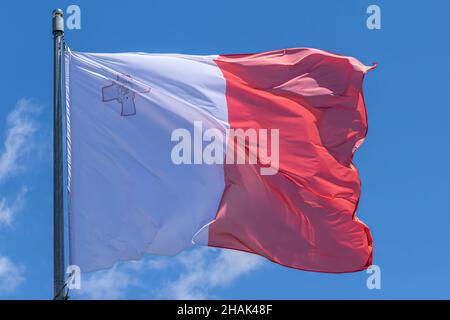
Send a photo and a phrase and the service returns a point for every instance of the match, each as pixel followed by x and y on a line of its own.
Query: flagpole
pixel 58 213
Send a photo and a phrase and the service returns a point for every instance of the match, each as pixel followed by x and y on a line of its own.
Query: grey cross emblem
pixel 124 90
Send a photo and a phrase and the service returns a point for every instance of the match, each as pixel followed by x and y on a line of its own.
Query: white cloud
pixel 11 275
pixel 20 128
pixel 197 273
pixel 231 265
pixel 110 284
pixel 204 272
pixel 19 142
pixel 7 210
pixel 157 264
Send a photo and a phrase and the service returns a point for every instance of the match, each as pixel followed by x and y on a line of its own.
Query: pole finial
pixel 58 21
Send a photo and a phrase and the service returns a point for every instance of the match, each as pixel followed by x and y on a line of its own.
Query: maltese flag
pixel 251 152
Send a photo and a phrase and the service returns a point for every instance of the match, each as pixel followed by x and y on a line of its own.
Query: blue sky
pixel 403 163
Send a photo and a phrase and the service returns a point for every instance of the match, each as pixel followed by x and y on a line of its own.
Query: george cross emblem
pixel 124 90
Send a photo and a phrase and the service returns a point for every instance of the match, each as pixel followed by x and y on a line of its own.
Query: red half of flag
pixel 305 216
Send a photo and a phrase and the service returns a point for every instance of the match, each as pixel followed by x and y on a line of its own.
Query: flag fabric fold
pixel 146 173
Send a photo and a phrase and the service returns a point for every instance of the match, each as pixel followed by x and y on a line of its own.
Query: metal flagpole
pixel 58 213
